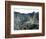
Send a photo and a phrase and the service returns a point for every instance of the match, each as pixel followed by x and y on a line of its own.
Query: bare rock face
pixel 26 21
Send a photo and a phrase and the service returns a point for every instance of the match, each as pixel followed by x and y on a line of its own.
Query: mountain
pixel 28 21
pixel 30 14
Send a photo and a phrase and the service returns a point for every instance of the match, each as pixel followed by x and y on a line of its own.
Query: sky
pixel 26 11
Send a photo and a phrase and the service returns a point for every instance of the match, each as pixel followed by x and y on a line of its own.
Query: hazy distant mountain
pixel 30 14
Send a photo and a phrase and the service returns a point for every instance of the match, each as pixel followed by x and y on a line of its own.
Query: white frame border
pixel 25 31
